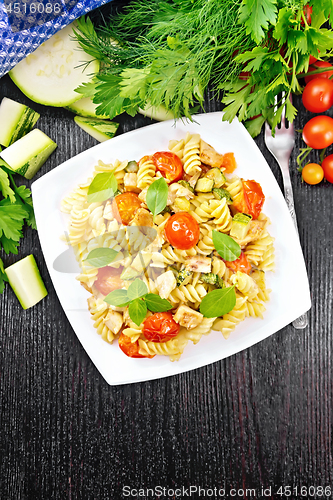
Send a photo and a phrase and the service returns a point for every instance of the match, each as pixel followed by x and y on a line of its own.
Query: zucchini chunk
pixel 217 175
pixel 212 279
pixel 183 277
pixel 204 185
pixel 51 73
pixel 240 226
pixel 187 185
pixel 220 193
pixel 28 154
pixel 16 120
pixel 26 281
pixel 101 130
pixel 85 107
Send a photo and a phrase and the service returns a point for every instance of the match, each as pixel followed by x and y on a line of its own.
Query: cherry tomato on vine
pixel 250 200
pixel 108 280
pixel 312 173
pixel 312 60
pixel 307 13
pixel 160 327
pixel 318 95
pixel 169 165
pixel 327 166
pixel 240 264
pixel 124 207
pixel 318 132
pixel 131 349
pixel 319 65
pixel 182 231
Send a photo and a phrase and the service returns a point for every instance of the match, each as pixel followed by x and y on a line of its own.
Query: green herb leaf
pixel 137 289
pixel 226 246
pixel 218 302
pixel 157 196
pixel 5 186
pixel 117 298
pixel 156 304
pixel 11 220
pixel 257 14
pixel 137 311
pixel 3 276
pixel 101 257
pixel 102 188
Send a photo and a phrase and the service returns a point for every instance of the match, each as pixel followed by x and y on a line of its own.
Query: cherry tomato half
pixel 229 162
pixel 160 327
pixel 131 349
pixel 319 65
pixel 124 207
pixel 169 165
pixel 240 264
pixel 312 173
pixel 327 166
pixel 318 132
pixel 182 231
pixel 250 200
pixel 318 95
pixel 108 279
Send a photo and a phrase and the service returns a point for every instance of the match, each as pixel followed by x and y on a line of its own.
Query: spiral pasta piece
pixel 77 228
pixel 99 310
pixel 268 259
pixel 256 250
pixel 191 156
pixel 229 321
pixel 177 147
pixel 245 284
pixel 173 346
pixel 234 186
pixel 146 172
pixel 254 309
pixel 196 333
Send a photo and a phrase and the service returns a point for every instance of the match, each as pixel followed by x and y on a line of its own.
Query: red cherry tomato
pixel 318 95
pixel 108 279
pixel 327 166
pixel 307 13
pixel 131 349
pixel 240 264
pixel 182 231
pixel 124 207
pixel 229 162
pixel 160 327
pixel 318 132
pixel 318 65
pixel 312 60
pixel 169 165
pixel 312 173
pixel 250 200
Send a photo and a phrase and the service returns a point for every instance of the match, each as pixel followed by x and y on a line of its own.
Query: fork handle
pixel 302 321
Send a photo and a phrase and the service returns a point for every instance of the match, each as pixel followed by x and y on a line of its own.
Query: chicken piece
pixel 165 283
pixel 177 191
pixel 192 179
pixel 209 156
pixel 143 194
pixel 114 321
pixel 130 182
pixel 187 317
pixel 198 264
pixel 142 218
pixel 254 233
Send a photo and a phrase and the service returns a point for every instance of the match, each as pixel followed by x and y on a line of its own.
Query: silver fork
pixel 281 147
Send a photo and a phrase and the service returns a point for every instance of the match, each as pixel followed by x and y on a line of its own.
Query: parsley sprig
pixel 16 210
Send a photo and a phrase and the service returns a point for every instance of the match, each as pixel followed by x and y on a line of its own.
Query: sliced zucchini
pixel 183 277
pixel 212 279
pixel 204 185
pixel 29 153
pixel 85 107
pixel 182 204
pixel 217 175
pixel 101 130
pixel 158 113
pixel 187 185
pixel 16 120
pixel 240 226
pixel 51 73
pixel 221 193
pixel 26 281
pixel 132 167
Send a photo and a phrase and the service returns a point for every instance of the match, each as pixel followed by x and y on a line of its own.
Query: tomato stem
pixel 304 153
pixel 322 154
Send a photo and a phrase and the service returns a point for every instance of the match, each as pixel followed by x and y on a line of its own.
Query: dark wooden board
pixel 261 418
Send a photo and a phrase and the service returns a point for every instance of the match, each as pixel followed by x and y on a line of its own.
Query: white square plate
pixel 290 295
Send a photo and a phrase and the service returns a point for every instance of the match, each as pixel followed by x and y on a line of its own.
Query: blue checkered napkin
pixel 25 24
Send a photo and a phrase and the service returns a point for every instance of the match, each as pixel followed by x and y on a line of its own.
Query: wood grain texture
pixel 260 418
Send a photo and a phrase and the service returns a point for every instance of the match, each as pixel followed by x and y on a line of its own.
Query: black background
pixel 261 418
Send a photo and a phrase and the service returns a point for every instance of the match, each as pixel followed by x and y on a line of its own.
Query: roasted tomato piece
pixel 250 200
pixel 108 279
pixel 182 231
pixel 229 162
pixel 131 349
pixel 240 264
pixel 169 165
pixel 160 327
pixel 124 207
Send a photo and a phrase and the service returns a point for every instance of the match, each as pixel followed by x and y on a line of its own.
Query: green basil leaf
pixel 137 289
pixel 225 246
pixel 156 304
pixel 157 196
pixel 218 302
pixel 101 257
pixel 117 298
pixel 102 188
pixel 137 311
